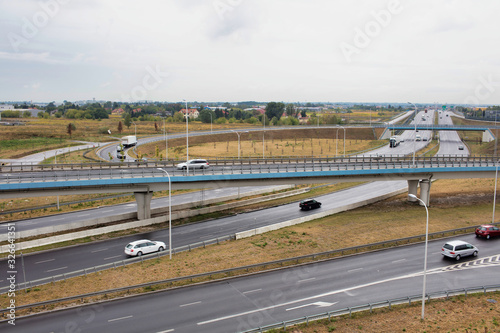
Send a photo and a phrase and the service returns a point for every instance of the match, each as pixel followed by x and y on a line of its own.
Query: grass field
pixel 454 204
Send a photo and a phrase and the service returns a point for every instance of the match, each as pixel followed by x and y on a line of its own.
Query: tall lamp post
pixel 165 135
pixel 337 141
pixel 187 139
pixel 237 133
pixel 425 255
pixel 495 195
pixel 135 129
pixel 263 146
pixel 415 139
pixel 55 162
pixel 169 212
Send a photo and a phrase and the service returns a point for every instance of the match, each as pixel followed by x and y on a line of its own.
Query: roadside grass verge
pixel 389 219
pixel 474 313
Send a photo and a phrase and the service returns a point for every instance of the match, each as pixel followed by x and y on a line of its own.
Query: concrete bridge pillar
pixel 488 136
pixel 143 200
pixel 425 191
pixel 412 189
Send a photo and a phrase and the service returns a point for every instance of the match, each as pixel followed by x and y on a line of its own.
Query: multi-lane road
pixel 248 302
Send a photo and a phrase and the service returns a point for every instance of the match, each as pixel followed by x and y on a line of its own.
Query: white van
pixel 418 137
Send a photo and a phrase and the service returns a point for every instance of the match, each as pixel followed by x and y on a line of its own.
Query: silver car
pixel 193 164
pixel 458 249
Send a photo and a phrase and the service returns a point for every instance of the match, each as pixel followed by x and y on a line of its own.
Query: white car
pixel 143 246
pixel 193 164
pixel 458 249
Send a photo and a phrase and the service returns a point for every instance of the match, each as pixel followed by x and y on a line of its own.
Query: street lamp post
pixel 237 133
pixel 425 255
pixel 495 195
pixel 169 212
pixel 135 129
pixel 166 144
pixel 415 139
pixel 55 162
pixel 263 146
pixel 337 141
pixel 187 139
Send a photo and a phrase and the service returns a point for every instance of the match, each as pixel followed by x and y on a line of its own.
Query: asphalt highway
pixel 252 301
pixel 106 211
pixel 69 259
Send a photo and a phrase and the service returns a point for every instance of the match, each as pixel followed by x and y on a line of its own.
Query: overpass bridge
pixel 487 134
pixel 146 179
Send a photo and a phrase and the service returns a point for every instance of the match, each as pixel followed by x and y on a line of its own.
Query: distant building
pixel 4 107
pixel 193 113
pixel 118 111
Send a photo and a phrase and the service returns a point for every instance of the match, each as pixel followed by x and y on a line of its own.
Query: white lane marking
pixel 110 320
pixel 300 281
pixel 99 250
pixel 61 218
pixel 56 269
pixel 354 270
pixel 318 304
pixel 112 257
pixel 167 331
pixel 333 292
pixel 188 304
pixel 84 214
pixel 41 262
pixel 400 260
pixel 251 291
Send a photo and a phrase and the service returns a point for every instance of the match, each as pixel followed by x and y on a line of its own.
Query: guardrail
pixel 370 306
pixel 124 262
pixel 284 166
pixel 27 167
pixel 306 258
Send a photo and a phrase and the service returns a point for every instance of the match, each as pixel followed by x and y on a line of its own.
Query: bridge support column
pixel 143 200
pixel 412 189
pixel 425 191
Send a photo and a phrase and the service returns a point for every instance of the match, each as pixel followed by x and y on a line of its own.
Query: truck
pixel 129 141
pixel 394 141
pixel 418 137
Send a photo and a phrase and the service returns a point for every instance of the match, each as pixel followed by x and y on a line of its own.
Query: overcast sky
pixel 421 51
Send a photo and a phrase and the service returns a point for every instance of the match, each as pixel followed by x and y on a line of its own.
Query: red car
pixel 487 231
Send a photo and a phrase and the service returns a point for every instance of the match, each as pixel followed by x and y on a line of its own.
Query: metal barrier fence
pixel 278 166
pixel 370 306
pixel 124 262
pixel 306 258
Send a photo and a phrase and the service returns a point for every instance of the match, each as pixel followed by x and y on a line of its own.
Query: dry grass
pixel 473 313
pixel 389 219
pixel 44 134
pixel 297 142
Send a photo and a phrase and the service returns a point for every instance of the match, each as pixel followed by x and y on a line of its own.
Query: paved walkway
pixel 39 157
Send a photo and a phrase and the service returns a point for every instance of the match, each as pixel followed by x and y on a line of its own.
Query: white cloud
pixel 255 50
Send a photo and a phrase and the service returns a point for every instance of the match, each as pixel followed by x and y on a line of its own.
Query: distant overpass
pixel 146 180
pixel 487 134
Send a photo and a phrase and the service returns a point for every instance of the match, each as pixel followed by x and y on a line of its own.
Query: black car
pixel 309 204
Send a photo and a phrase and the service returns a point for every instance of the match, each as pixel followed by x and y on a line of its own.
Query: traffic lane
pixel 130 207
pixel 59 261
pixel 286 294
